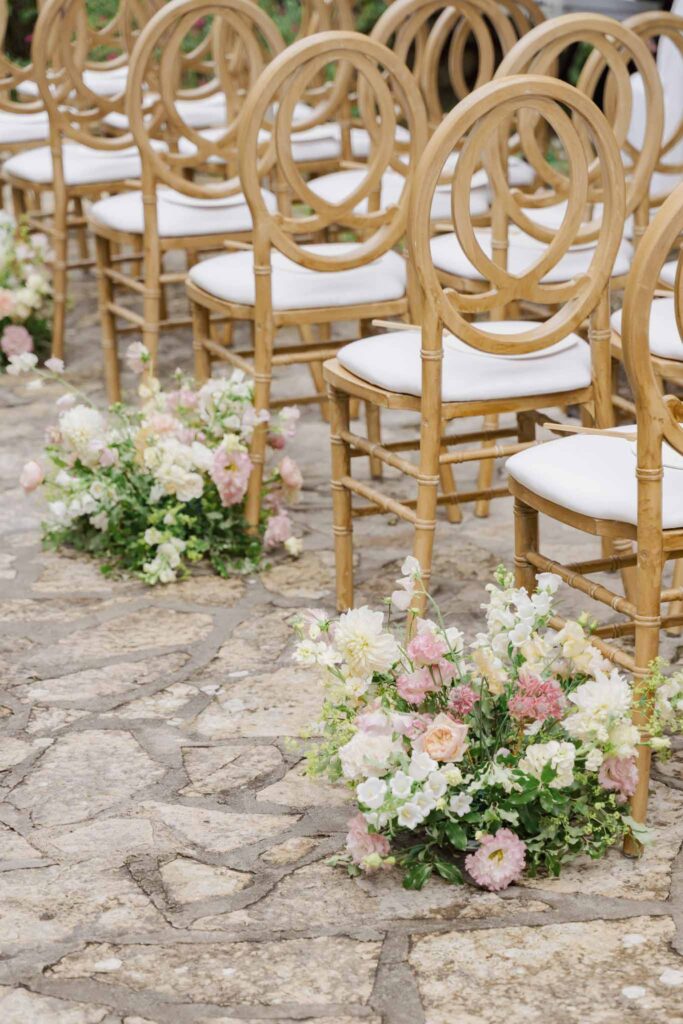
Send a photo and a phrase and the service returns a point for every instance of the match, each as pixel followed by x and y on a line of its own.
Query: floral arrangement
pixel 24 292
pixel 514 753
pixel 148 490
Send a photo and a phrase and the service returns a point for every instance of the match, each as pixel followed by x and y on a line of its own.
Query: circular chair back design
pixel 480 128
pixel 387 96
pixel 13 75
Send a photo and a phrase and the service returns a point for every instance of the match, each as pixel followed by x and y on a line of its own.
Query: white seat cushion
pixel 665 341
pixel 335 187
pixel 231 277
pixel 392 361
pixel 23 127
pixel 668 273
pixel 106 81
pixel 82 165
pixel 523 252
pixel 595 476
pixel 178 215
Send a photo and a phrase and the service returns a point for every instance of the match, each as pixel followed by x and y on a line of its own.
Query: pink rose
pixel 427 648
pixel 278 530
pixel 7 305
pixel 15 339
pixel 361 844
pixel 31 477
pixel 445 739
pixel 414 686
pixel 620 775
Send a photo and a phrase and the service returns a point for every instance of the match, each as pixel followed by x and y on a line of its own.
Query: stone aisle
pixel 162 858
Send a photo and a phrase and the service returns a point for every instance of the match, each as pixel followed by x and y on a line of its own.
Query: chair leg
pixel 648 626
pixel 107 320
pixel 486 467
pixel 59 270
pixel 374 431
pixel 676 607
pixel 151 306
pixel 425 523
pixel 81 230
pixel 263 368
pixel 19 206
pixel 526 539
pixel 341 499
pixel 200 334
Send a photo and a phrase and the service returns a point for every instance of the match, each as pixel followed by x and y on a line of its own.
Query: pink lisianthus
pixel 536 699
pixel 278 530
pixel 362 844
pixel 427 648
pixel 462 700
pixel 15 339
pixel 619 774
pixel 7 309
pixel 292 479
pixel 230 472
pixel 499 861
pixel 414 686
pixel 31 476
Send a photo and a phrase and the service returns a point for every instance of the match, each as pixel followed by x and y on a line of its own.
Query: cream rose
pixel 445 739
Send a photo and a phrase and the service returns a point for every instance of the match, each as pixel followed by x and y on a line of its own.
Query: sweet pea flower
pixel 292 479
pixel 401 599
pixel 31 477
pixel 15 339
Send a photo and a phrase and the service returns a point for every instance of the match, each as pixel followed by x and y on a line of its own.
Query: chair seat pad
pixel 595 476
pixel 523 252
pixel 665 341
pixel 178 215
pixel 392 361
pixel 82 165
pixel 231 277
pixel 335 187
pixel 668 273
pixel 23 127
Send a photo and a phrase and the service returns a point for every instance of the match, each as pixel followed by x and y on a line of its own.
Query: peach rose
pixel 445 739
pixel 31 476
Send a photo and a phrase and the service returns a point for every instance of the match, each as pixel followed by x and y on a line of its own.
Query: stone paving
pixel 162 856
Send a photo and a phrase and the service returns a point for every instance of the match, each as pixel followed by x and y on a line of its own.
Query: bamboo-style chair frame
pixel 481 125
pixel 243 39
pixel 12 77
pixel 384 84
pixel 659 420
pixel 61 46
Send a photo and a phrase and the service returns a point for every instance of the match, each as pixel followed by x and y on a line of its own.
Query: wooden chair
pixel 484 369
pixel 23 119
pixel 84 158
pixel 607 485
pixel 283 281
pixel 175 209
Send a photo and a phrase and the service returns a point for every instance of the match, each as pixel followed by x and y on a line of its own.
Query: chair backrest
pixel 387 95
pixel 243 39
pixel 15 75
pixel 658 416
pixel 479 127
pixel 432 36
pixel 615 51
pixel 524 14
pixel 323 16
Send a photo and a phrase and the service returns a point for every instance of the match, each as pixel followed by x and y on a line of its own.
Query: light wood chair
pixel 175 209
pixel 23 119
pixel 453 368
pixel 84 158
pixel 285 281
pixel 615 487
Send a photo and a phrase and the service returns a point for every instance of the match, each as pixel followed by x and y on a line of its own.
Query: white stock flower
pixel 594 759
pixel 403 596
pixel 372 793
pixel 362 642
pixel 559 756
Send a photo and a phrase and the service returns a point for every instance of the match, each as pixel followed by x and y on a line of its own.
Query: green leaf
pixel 449 872
pixel 457 836
pixel 416 876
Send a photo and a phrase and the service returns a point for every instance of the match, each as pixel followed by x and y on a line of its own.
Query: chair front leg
pixel 486 468
pixel 263 361
pixel 59 270
pixel 201 327
pixel 107 319
pixel 341 498
pixel 526 540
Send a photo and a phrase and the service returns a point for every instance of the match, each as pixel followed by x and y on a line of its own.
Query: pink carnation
pixel 499 860
pixel 361 844
pixel 427 648
pixel 15 339
pixel 619 774
pixel 278 530
pixel 414 686
pixel 230 472
pixel 536 699
pixel 462 700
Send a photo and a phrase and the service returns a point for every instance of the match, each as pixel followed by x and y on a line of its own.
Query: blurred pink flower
pixel 31 476
pixel 292 479
pixel 499 860
pixel 536 699
pixel 462 700
pixel 414 686
pixel 230 472
pixel 7 305
pixel 361 844
pixel 619 774
pixel 427 648
pixel 108 457
pixel 278 530
pixel 15 339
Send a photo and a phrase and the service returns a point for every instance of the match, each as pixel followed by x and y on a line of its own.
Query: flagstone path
pixel 162 856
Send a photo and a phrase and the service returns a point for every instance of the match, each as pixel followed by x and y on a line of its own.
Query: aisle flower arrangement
pixel 25 294
pixel 152 488
pixel 514 753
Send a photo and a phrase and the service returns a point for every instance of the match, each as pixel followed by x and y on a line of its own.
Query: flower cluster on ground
pixel 151 489
pixel 25 293
pixel 513 753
